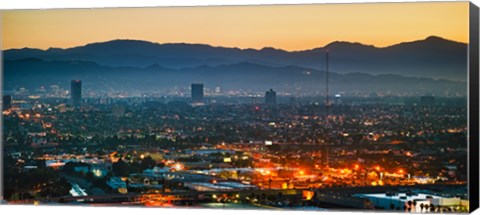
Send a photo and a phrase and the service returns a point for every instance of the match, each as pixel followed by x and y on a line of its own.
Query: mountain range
pixel 433 65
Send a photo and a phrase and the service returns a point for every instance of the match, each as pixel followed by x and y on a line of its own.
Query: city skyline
pixel 287 27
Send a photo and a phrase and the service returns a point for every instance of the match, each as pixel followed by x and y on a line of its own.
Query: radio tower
pixel 327 101
pixel 327 106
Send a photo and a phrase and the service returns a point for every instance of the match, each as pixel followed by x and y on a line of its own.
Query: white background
pixel 44 4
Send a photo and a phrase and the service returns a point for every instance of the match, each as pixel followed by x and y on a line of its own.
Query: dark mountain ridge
pixel 433 57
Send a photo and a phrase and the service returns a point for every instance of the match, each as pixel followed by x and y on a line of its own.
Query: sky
pixel 288 27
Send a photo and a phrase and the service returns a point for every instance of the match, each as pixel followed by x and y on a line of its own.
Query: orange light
pixel 307 195
pixel 401 171
pixel 357 166
pixel 178 167
pixel 301 172
pixel 377 168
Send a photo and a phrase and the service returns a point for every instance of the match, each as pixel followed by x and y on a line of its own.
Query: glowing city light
pixel 178 167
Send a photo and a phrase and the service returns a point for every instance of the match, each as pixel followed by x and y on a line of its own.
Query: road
pixel 84 185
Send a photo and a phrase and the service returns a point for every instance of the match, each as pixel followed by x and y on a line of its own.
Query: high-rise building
pixel 7 102
pixel 197 93
pixel 271 97
pixel 217 90
pixel 76 92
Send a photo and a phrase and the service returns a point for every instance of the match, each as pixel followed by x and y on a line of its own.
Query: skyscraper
pixel 7 102
pixel 217 90
pixel 197 93
pixel 76 92
pixel 271 97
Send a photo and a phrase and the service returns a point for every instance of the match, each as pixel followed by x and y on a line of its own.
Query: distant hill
pixel 433 57
pixel 33 73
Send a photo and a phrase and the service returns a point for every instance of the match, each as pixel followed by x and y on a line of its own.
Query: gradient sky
pixel 288 27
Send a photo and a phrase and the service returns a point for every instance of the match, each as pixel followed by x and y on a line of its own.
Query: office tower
pixel 217 90
pixel 7 102
pixel 197 93
pixel 76 92
pixel 271 97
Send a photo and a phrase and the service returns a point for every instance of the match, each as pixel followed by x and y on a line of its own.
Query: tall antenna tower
pixel 327 106
pixel 327 99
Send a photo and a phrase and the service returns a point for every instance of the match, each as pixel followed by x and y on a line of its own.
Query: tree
pixel 59 187
pixel 160 165
pixel 120 168
pixel 148 163
pixel 70 166
pixel 89 175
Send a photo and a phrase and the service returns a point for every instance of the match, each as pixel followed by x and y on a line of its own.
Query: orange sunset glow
pixel 288 27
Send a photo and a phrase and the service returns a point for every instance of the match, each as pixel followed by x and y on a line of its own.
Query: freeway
pixel 83 184
pixel 77 190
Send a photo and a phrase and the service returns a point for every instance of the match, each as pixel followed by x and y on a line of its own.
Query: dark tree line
pixel 41 182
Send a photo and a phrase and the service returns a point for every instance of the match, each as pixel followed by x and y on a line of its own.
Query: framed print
pixel 324 107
